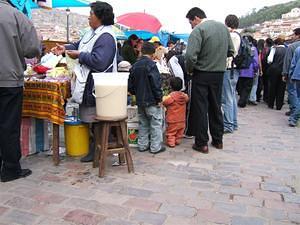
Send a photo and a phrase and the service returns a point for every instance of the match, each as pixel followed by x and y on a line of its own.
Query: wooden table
pixel 45 100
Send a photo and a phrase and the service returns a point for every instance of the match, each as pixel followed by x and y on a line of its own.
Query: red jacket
pixel 175 103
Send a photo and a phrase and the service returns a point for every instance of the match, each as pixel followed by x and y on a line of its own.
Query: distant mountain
pixel 268 13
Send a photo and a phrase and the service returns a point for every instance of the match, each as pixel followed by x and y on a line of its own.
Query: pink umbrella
pixel 140 21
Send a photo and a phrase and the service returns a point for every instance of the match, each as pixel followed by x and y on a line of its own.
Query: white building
pixel 295 12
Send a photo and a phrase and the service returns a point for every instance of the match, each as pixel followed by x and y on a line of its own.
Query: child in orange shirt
pixel 175 104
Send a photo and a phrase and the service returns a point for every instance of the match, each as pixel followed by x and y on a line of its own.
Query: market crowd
pixel 181 90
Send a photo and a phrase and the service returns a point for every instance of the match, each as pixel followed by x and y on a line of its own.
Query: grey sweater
pixel 208 46
pixel 18 40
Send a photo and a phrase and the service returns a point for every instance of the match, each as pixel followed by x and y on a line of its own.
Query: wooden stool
pixel 102 131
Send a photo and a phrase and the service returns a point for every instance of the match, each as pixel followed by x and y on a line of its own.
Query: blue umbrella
pixel 65 3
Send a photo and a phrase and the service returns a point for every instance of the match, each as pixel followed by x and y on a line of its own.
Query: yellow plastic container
pixel 76 138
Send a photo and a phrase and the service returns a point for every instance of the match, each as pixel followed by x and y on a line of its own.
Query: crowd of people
pixel 217 81
pixel 182 90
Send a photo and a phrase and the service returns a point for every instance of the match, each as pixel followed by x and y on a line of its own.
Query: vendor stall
pixel 45 94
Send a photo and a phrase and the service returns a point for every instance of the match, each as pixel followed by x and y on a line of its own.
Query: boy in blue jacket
pixel 145 83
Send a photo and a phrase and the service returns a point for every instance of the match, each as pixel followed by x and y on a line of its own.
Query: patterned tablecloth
pixel 46 99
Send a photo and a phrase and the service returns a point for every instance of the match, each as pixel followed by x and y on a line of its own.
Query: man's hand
pixel 284 78
pixel 58 49
pixel 73 54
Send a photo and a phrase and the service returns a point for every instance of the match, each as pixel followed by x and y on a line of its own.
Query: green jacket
pixel 208 46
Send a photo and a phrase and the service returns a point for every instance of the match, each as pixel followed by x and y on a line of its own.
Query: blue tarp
pixel 65 3
pixel 145 35
pixel 176 37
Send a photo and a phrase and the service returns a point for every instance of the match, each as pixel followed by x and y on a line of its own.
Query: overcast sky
pixel 171 13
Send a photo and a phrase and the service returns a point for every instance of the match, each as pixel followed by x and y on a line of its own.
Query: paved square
pixel 254 180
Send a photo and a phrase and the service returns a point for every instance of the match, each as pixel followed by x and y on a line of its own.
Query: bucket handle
pixel 107 94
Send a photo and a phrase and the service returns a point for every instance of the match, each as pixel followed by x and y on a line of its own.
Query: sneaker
pixel 162 149
pixel 227 132
pixel 188 136
pixel 143 150
pixel 292 124
pixel 252 103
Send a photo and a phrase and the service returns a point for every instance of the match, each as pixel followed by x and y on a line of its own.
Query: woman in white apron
pixel 95 52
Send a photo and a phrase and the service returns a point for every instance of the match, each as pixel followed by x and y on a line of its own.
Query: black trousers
pixel 245 86
pixel 276 90
pixel 265 79
pixel 259 89
pixel 10 123
pixel 205 107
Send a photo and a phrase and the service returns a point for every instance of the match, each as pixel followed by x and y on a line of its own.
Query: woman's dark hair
pixel 232 21
pixel 250 39
pixel 104 12
pixel 133 37
pixel 176 83
pixel 193 12
pixel 269 42
pixel 260 45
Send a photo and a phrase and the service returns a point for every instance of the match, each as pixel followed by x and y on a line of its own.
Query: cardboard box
pixel 132 113
pixel 132 131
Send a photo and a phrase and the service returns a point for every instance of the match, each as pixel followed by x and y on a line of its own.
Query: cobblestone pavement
pixel 254 180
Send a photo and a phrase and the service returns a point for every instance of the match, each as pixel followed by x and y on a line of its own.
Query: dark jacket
pixel 145 82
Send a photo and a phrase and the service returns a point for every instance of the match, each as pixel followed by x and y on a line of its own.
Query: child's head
pixel 148 48
pixel 176 83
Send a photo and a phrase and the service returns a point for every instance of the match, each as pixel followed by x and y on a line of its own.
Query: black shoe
pixel 11 177
pixel 202 149
pixel 217 145
pixel 90 156
pixel 162 149
pixel 288 113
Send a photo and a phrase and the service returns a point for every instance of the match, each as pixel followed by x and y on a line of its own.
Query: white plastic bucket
pixel 111 95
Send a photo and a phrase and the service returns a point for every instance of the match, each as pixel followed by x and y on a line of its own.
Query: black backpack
pixel 245 55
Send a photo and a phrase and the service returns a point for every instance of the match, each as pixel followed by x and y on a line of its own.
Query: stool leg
pixel 125 144
pixel 120 142
pixel 104 147
pixel 97 137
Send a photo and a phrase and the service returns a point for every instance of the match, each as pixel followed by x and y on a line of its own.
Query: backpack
pixel 245 55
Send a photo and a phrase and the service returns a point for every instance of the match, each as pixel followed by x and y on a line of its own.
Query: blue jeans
pixel 295 115
pixel 150 128
pixel 252 97
pixel 229 102
pixel 293 95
